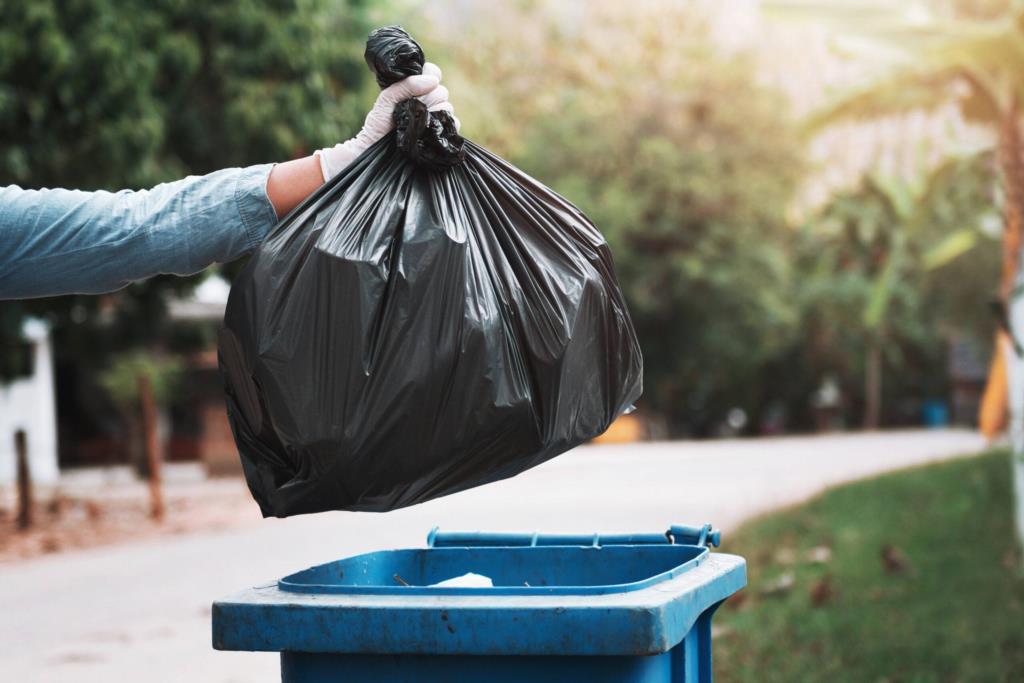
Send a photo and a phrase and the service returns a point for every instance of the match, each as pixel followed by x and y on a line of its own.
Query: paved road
pixel 140 612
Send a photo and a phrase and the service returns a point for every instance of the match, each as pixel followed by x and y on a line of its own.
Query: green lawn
pixel 954 613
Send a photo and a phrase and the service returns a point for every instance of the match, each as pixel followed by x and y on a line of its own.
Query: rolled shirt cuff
pixel 258 215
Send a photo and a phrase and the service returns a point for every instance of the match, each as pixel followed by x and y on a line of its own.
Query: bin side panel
pixel 592 631
pixel 298 667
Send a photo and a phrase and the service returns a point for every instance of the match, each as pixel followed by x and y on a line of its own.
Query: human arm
pixel 55 241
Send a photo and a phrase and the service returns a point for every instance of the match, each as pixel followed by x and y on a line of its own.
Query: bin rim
pixel 647 621
pixel 292 584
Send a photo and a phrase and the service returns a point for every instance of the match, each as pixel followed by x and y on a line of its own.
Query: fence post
pixel 24 519
pixel 152 445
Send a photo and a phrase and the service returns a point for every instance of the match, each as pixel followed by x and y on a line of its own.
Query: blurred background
pixel 807 203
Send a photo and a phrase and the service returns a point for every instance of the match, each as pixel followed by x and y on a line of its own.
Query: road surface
pixel 140 612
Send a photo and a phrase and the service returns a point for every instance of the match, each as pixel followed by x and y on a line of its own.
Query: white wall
pixel 29 404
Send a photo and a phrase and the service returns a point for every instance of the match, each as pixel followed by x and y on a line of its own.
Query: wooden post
pixel 152 446
pixel 24 519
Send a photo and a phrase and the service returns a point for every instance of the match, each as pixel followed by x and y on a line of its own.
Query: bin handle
pixel 679 534
pixel 694 535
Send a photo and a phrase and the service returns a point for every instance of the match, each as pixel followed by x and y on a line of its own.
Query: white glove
pixel 426 87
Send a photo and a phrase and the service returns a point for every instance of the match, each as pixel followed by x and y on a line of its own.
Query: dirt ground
pixel 99 509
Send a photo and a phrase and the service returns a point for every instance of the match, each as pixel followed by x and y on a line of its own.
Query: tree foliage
pixel 969 53
pixel 127 94
pixel 96 94
pixel 679 156
pixel 121 379
pixel 880 266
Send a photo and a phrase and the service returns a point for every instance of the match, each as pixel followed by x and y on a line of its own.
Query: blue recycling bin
pixel 596 608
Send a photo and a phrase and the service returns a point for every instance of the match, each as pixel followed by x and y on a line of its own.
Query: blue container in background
pixel 935 413
pixel 596 608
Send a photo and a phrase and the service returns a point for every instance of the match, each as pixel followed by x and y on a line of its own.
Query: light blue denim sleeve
pixel 71 242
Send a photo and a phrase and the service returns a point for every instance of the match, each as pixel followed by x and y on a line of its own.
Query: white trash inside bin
pixel 468 580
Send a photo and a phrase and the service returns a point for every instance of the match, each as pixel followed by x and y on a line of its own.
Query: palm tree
pixel 886 220
pixel 975 61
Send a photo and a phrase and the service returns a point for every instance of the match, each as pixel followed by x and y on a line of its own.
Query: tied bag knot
pixel 429 139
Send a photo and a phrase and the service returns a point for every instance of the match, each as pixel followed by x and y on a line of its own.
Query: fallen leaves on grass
pixel 822 591
pixel 895 561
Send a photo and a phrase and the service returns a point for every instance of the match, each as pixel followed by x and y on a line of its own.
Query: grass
pixel 947 606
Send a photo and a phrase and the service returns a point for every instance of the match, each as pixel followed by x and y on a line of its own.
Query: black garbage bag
pixel 431 320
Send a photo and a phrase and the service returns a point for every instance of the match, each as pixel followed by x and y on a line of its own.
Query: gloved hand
pixel 427 87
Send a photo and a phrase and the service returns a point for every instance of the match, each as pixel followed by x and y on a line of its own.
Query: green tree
pixel 126 94
pixel 875 292
pixel 122 383
pixel 102 94
pixel 679 156
pixel 971 54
